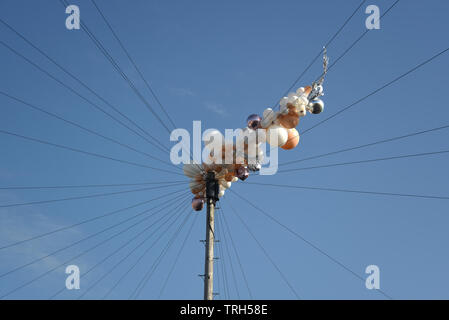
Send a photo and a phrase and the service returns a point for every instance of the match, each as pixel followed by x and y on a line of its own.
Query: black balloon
pixel 317 106
pixel 242 173
pixel 197 204
pixel 254 121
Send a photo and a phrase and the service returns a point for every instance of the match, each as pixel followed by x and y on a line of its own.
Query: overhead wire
pixel 90 196
pixel 259 244
pixel 162 149
pixel 309 243
pixel 395 138
pixel 86 152
pixel 225 223
pixel 110 270
pixel 82 240
pixel 406 156
pixel 181 249
pixel 139 72
pixel 45 234
pixel 46 55
pixel 90 131
pixel 136 293
pixel 140 258
pixel 108 56
pixel 72 258
pixel 223 236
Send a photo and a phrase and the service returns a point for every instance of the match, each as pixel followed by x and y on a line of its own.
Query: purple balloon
pixel 197 204
pixel 242 173
pixel 254 121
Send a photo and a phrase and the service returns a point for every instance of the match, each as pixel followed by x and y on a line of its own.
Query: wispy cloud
pixel 216 107
pixel 183 92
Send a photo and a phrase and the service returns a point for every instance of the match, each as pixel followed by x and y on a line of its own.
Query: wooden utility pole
pixel 211 198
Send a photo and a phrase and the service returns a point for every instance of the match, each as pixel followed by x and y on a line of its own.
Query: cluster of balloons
pixel 275 127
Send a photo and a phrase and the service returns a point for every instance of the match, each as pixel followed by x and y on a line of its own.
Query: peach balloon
pixel 293 139
pixel 307 90
pixel 291 119
pixel 229 176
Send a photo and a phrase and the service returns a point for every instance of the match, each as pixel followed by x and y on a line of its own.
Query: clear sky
pixel 218 62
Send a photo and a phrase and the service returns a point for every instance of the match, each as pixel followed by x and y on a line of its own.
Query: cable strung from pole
pixel 90 131
pixel 377 90
pixel 223 233
pixel 297 235
pixel 359 38
pixel 111 254
pixel 220 268
pixel 105 52
pixel 134 64
pixel 374 92
pixel 321 51
pixel 150 272
pixel 141 256
pixel 163 149
pixel 218 277
pixel 120 71
pixel 90 196
pixel 178 255
pixel 365 145
pixel 45 234
pixel 265 251
pixel 171 214
pixel 224 269
pixel 88 185
pixel 84 239
pixel 82 84
pixel 367 161
pixel 236 254
pixel 71 259
pixel 354 191
pixel 85 152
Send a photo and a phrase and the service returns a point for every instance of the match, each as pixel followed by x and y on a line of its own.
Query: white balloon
pixel 221 193
pixel 268 117
pixel 302 101
pixel 252 136
pixel 213 136
pixel 277 135
pixel 283 101
pixel 224 184
pixel 283 108
pixel 235 179
pixel 292 99
pixel 300 91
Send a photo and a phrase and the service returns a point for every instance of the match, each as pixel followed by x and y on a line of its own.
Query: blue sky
pixel 218 62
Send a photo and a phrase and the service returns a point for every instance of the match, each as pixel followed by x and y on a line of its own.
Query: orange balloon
pixel 307 90
pixel 293 139
pixel 229 176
